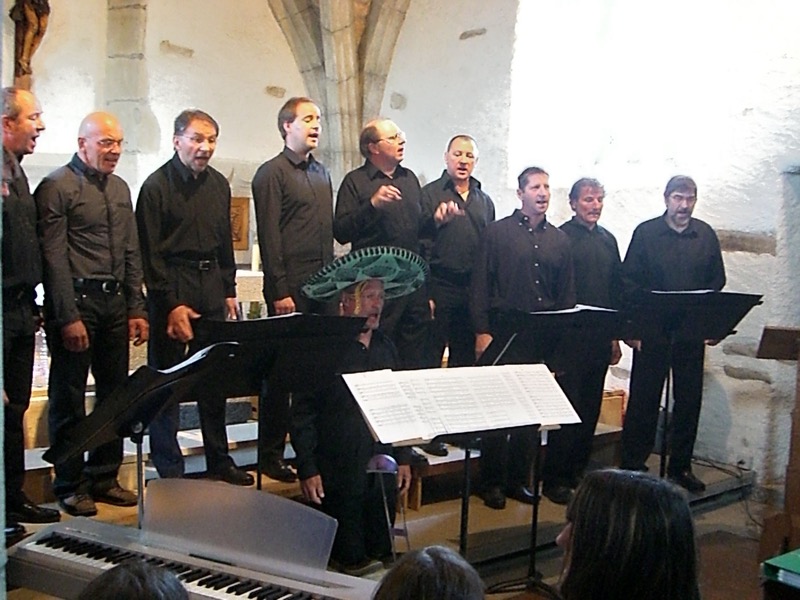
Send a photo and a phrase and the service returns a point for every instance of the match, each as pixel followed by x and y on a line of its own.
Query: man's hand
pixel 482 341
pixel 616 352
pixel 446 212
pixel 403 478
pixel 432 308
pixel 635 344
pixel 232 309
pixel 75 336
pixel 179 325
pixel 312 489
pixel 712 342
pixel 386 194
pixel 138 330
pixel 284 306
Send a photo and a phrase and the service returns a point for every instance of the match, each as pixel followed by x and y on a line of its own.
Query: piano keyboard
pixel 61 560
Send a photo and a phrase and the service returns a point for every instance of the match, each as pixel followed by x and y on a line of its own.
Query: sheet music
pixel 419 405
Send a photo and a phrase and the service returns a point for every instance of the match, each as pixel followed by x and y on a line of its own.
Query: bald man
pixel 93 302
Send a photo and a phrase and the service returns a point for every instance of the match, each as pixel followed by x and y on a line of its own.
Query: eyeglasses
pixel 398 137
pixel 682 197
pixel 107 143
pixel 199 139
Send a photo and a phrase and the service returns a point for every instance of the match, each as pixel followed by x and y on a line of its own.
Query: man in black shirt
pixel 673 252
pixel 294 211
pixel 379 204
pixel 22 272
pixel 93 302
pixel 456 211
pixel 525 264
pixel 183 214
pixel 598 282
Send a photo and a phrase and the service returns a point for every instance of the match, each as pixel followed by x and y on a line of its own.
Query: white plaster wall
pixel 236 54
pixel 454 86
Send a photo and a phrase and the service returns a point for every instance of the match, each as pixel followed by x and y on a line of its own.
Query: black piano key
pixel 264 589
pixel 300 596
pixel 196 574
pixel 274 595
pixel 210 580
pixel 224 582
pixel 243 588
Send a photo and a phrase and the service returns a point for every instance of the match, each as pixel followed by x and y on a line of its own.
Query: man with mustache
pixel 524 264
pixel 93 302
pixel 379 204
pixel 183 215
pixel 673 252
pixel 293 199
pixel 598 282
pixel 22 272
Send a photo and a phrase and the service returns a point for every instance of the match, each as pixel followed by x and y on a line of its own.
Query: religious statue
pixel 30 19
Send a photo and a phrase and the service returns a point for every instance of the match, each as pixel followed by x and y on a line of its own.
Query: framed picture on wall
pixel 240 222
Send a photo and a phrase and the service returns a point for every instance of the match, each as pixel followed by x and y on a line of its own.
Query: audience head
pixel 432 573
pixel 100 141
pixel 628 535
pixel 586 199
pixel 364 299
pixel 135 580
pixel 195 139
pixel 461 157
pixel 22 121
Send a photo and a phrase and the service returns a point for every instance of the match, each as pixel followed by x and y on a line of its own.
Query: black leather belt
pixel 198 265
pixel 106 286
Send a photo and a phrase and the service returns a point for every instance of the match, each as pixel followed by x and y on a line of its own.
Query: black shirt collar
pixel 525 220
pixel 185 172
pixel 691 229
pixel 296 159
pixel 447 182
pixel 374 172
pixel 78 165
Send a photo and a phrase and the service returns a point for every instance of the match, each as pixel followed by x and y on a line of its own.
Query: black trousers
pixel 18 355
pixel 506 459
pixel 650 366
pixel 452 325
pixel 105 317
pixel 204 292
pixel 407 322
pixel 570 447
pixel 362 530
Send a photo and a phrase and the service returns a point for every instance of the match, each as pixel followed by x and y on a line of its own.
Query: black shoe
pixel 234 476
pixel 522 494
pixel 368 566
pixel 557 494
pixel 435 449
pixel 494 498
pixel 280 471
pixel 116 495
pixel 78 505
pixel 687 479
pixel 25 511
pixel 14 533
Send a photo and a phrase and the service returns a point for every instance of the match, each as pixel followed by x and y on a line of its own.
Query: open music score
pixel 410 407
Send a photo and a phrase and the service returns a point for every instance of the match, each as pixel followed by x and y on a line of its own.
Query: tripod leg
pixel 464 528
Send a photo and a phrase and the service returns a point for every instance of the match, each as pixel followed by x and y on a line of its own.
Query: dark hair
pixel 369 135
pixel 432 573
pixel 632 537
pixel 584 182
pixel 183 120
pixel 461 136
pixel 680 183
pixel 522 180
pixel 288 112
pixel 11 106
pixel 135 580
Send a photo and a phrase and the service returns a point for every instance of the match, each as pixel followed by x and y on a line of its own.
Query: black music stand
pixel 132 406
pixel 293 353
pixel 544 337
pixel 682 317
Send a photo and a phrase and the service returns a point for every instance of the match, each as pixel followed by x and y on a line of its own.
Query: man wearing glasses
pixel 93 303
pixel 183 214
pixel 673 252
pixel 379 204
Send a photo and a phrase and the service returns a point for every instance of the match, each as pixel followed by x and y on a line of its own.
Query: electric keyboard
pixel 61 559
